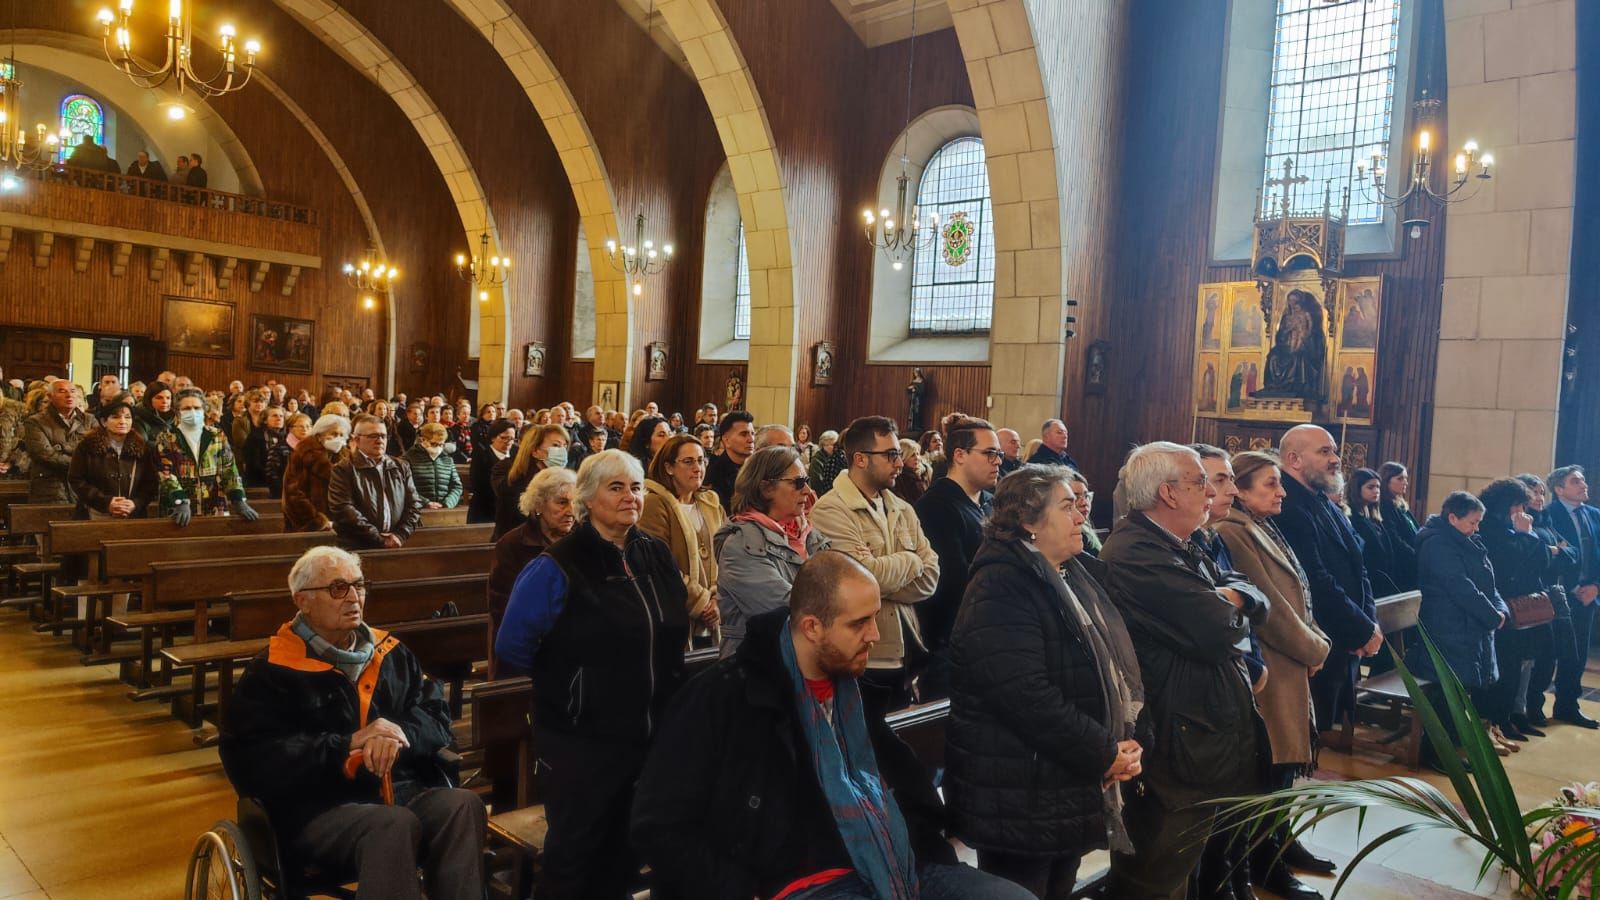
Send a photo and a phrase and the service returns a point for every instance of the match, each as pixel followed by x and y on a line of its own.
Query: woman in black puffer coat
pixel 1045 694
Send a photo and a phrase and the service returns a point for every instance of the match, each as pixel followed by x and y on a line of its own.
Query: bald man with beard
pixel 1329 551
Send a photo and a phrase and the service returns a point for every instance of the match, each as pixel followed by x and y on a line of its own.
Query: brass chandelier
pixel 371 277
pixel 1470 164
pixel 15 150
pixel 179 63
pixel 482 270
pixel 639 260
pixel 896 234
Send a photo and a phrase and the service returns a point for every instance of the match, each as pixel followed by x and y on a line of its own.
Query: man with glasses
pixel 372 499
pixel 337 732
pixel 864 518
pixel 1187 618
pixel 953 513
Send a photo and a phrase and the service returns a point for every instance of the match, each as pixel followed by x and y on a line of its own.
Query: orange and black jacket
pixel 286 733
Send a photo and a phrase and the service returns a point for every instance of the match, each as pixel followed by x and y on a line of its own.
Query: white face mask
pixel 335 443
pixel 433 452
pixel 556 457
pixel 192 418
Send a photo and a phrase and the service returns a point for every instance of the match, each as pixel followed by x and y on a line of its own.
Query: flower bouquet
pixel 1573 829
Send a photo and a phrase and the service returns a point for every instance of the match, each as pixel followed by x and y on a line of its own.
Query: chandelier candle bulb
pixel 1461 164
pixel 1423 141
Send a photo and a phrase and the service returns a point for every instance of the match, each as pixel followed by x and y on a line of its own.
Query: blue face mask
pixel 192 418
pixel 556 457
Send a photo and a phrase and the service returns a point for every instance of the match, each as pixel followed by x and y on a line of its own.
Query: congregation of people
pixel 1104 687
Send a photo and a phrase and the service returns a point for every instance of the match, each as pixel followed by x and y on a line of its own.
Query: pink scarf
pixel 791 531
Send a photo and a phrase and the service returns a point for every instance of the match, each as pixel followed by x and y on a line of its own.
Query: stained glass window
pixel 82 115
pixel 741 294
pixel 7 71
pixel 952 281
pixel 1333 72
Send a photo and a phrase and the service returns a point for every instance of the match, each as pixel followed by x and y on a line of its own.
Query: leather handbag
pixel 1531 610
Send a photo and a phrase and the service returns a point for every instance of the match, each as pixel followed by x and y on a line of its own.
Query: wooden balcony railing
pixel 103 201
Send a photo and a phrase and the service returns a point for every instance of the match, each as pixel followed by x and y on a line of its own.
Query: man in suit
pixel 1579 525
pixel 197 171
pixel 1330 553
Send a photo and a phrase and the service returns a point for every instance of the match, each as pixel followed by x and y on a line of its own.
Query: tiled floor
pixel 103 798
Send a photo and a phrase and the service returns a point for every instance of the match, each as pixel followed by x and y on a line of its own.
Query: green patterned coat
pixel 209 482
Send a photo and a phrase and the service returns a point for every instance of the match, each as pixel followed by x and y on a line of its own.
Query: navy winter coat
pixel 1460 607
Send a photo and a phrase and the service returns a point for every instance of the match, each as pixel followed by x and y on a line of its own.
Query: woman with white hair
pixel 550 516
pixel 827 462
pixel 310 468
pixel 599 622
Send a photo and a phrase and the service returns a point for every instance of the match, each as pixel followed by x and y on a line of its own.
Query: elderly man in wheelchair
pixel 336 732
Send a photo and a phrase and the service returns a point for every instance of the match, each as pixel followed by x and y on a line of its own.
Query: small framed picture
pixel 606 393
pixel 1096 367
pixel 533 359
pixel 419 357
pixel 822 364
pixel 656 370
pixel 282 344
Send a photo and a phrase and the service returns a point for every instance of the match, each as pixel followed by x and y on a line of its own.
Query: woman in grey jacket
pixel 769 537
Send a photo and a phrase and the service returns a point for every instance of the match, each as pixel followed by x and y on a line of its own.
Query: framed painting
pixel 1360 312
pixel 419 357
pixel 197 327
pixel 1354 387
pixel 822 364
pixel 1208 328
pixel 1208 384
pixel 655 361
pixel 1238 380
pixel 282 343
pixel 1097 368
pixel 607 394
pixel 1246 325
pixel 533 359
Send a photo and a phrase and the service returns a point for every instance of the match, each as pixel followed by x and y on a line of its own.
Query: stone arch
pixel 741 120
pixel 1026 351
pixel 591 184
pixel 358 46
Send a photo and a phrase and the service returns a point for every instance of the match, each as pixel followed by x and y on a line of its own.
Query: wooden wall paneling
pixel 1162 253
pixel 655 136
pixel 515 162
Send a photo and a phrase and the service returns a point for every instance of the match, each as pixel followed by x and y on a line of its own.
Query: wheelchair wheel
pixel 221 867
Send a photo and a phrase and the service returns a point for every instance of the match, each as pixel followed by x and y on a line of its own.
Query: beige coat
pixel 893 548
pixel 662 518
pixel 1291 643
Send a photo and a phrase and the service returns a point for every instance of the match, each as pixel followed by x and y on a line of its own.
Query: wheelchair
pixel 240 860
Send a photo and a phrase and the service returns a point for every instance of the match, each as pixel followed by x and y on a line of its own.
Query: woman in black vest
pixel 599 622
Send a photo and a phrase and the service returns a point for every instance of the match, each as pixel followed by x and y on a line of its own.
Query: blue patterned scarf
pixel 869 820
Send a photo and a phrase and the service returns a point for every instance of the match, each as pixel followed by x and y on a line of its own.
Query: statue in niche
pixel 914 394
pixel 1299 351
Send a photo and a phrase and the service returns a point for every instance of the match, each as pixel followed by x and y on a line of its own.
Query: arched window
pixel 952 281
pixel 725 277
pixel 1332 95
pixel 83 115
pixel 741 293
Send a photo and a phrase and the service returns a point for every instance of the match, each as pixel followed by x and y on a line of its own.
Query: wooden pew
pixel 1386 691
pixel 254 616
pixel 125 560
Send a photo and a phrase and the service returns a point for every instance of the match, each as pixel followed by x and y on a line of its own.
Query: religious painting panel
pixel 1353 397
pixel 197 327
pixel 1245 323
pixel 656 361
pixel 606 394
pixel 1209 323
pixel 1241 379
pixel 1209 385
pixel 1360 310
pixel 282 343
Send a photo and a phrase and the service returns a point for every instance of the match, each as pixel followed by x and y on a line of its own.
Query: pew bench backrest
pixel 258 614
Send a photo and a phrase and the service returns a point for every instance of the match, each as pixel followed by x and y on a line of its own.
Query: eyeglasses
pixel 799 484
pixel 339 589
pixel 1199 482
pixel 371 434
pixel 698 462
pixel 890 455
pixel 992 455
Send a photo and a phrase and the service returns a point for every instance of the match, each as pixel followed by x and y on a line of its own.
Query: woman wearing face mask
pixel 155 414
pixel 494 449
pixel 680 510
pixel 438 482
pixel 114 470
pixel 310 468
pixel 547 503
pixel 264 439
pixel 198 473
pixel 544 446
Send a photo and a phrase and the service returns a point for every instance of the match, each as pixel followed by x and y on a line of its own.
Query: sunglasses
pixel 799 484
pixel 339 589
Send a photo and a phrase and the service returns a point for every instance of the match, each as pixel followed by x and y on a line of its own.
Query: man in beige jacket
pixel 862 517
